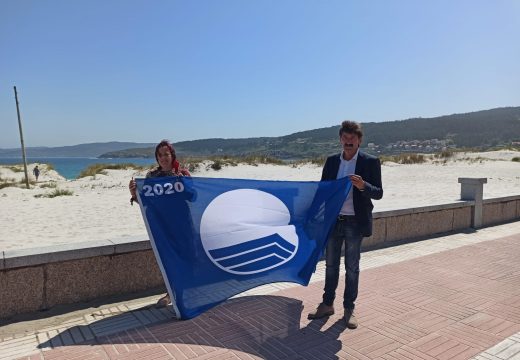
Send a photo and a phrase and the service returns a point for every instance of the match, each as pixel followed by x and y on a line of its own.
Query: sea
pixel 71 167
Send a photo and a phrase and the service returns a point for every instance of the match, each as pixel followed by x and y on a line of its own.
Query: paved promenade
pixel 452 297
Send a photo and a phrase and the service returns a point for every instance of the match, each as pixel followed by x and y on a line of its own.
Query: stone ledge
pixel 66 252
pixel 502 199
pixel 421 209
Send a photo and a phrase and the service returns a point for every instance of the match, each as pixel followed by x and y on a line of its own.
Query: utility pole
pixel 21 139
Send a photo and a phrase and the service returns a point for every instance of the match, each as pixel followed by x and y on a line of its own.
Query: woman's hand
pixel 132 186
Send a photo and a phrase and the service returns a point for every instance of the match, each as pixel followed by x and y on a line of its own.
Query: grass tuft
pixel 218 162
pixel 15 168
pixel 95 169
pixel 404 158
pixel 51 184
pixel 56 192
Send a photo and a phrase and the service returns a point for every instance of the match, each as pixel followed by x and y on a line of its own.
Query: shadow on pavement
pixel 266 326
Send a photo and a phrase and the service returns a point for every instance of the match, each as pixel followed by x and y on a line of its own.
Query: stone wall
pixel 40 278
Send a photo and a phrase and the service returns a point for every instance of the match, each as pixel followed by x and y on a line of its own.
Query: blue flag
pixel 214 238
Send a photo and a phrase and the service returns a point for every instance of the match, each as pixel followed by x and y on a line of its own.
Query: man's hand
pixel 358 182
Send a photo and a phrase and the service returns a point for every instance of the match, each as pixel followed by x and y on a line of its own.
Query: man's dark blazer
pixel 369 168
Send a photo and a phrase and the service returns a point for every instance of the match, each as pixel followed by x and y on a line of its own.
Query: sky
pixel 139 70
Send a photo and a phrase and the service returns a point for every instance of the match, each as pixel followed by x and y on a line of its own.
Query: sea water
pixel 70 168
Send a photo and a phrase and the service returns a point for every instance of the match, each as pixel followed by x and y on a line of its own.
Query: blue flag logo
pixel 248 231
pixel 215 238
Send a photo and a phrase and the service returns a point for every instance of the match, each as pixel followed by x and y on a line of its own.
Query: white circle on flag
pixel 247 231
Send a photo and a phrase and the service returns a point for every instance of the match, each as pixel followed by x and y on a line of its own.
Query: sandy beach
pixel 99 207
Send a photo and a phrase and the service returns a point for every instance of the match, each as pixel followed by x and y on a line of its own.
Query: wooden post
pixel 21 139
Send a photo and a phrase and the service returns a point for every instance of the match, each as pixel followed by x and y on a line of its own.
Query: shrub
pixel 51 184
pixel 217 165
pixel 192 167
pixel 516 159
pixel 445 154
pixel 54 193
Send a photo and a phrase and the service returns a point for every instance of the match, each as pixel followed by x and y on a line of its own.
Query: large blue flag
pixel 214 238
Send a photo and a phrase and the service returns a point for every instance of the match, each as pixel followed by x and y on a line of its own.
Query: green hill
pixel 480 130
pixel 81 150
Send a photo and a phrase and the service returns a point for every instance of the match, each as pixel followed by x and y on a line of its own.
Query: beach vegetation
pixel 261 159
pixel 516 159
pixel 407 158
pixel 10 182
pixel 95 169
pixel 192 167
pixel 15 168
pixel 317 160
pixel 218 162
pixel 22 181
pixel 56 192
pixel 6 184
pixel 50 184
pixel 445 154
pixel 217 165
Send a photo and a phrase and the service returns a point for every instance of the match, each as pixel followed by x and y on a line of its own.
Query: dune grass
pixel 16 168
pixel 218 162
pixel 50 184
pixel 95 169
pixel 10 182
pixel 405 158
pixel 56 192
pixel 6 182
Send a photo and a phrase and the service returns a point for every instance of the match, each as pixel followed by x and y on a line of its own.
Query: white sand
pixel 99 208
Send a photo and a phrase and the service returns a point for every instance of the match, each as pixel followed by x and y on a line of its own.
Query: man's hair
pixel 351 127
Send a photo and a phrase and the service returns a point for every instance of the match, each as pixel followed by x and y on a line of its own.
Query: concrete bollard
pixel 473 189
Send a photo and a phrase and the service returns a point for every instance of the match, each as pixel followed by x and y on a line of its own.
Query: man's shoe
pixel 350 319
pixel 322 311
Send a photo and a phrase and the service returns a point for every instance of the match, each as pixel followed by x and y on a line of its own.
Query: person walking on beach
pixel 354 221
pixel 36 172
pixel 167 166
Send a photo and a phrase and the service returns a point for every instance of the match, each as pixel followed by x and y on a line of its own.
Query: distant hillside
pixel 82 150
pixel 481 130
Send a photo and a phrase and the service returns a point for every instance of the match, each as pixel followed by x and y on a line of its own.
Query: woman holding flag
pixel 167 166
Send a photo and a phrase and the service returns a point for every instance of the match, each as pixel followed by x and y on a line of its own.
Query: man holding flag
pixel 354 221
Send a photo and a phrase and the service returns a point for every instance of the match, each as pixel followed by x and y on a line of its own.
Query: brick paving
pixel 452 297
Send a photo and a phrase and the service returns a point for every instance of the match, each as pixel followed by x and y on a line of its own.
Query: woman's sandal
pixel 163 302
